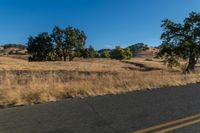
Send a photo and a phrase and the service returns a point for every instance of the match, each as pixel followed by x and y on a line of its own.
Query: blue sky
pixel 106 22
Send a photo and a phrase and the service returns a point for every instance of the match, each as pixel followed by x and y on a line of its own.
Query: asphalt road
pixel 174 109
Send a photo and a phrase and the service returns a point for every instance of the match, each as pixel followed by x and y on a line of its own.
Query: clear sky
pixel 106 22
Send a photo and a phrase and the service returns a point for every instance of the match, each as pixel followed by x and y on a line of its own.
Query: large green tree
pixel 69 42
pixel 58 39
pixel 182 41
pixel 74 41
pixel 40 47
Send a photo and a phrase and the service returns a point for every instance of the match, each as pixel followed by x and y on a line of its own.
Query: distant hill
pixel 139 50
pixel 149 53
pixel 138 47
pixel 13 49
pixel 143 50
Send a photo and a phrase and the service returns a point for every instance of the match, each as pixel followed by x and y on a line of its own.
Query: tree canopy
pixel 60 45
pixel 181 41
pixel 121 53
pixel 40 47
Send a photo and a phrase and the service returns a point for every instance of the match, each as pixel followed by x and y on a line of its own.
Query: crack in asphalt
pixel 100 117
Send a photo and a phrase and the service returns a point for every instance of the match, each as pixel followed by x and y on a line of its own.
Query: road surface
pixel 173 109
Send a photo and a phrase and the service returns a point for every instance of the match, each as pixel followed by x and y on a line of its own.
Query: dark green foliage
pixel 172 61
pixel 69 42
pixel 85 53
pixel 120 53
pixel 89 52
pixel 138 47
pixel 20 46
pixel 105 54
pixel 127 53
pixel 182 41
pixel 74 41
pixel 62 44
pixel 92 52
pixel 40 47
pixel 58 39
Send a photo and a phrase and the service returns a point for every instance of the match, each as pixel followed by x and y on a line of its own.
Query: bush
pixel 89 53
pixel 171 62
pixel 120 53
pixel 105 54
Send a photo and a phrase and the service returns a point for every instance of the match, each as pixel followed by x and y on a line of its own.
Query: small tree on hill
pixel 120 53
pixel 138 47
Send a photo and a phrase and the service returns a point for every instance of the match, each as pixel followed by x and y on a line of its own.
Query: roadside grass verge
pixel 21 89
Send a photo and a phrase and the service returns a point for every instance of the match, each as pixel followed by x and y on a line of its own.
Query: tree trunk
pixel 191 65
pixel 65 58
pixel 71 58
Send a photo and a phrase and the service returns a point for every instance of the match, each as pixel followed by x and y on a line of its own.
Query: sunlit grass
pixel 52 81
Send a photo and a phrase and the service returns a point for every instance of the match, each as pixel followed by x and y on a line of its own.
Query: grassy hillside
pixel 23 82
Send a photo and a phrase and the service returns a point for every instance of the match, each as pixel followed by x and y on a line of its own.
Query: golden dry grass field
pixel 23 82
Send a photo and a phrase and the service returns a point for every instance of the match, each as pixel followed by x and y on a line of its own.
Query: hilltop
pixel 13 49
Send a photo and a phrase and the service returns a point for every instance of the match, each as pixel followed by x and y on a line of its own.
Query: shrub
pixel 105 54
pixel 120 53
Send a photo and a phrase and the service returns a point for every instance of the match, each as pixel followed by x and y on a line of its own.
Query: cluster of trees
pixel 181 41
pixel 138 47
pixel 116 53
pixel 123 53
pixel 90 52
pixel 20 46
pixel 68 43
pixel 104 53
pixel 61 44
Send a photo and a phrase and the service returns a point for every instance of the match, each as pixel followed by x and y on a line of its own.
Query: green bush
pixel 121 53
pixel 89 53
pixel 105 54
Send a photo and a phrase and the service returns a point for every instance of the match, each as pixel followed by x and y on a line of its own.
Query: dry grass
pixel 23 82
pixel 7 63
